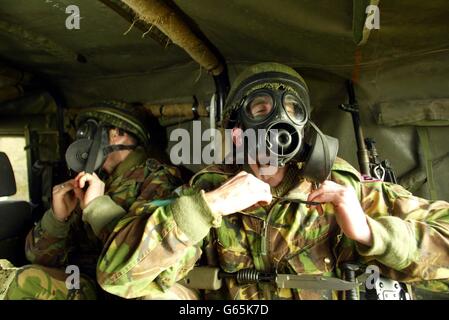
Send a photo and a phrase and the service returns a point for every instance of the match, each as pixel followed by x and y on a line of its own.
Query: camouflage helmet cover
pixel 263 75
pixel 118 114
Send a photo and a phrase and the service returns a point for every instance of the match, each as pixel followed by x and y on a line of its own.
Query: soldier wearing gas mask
pixel 111 142
pixel 307 215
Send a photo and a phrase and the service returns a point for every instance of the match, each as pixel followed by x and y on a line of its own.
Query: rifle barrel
pixel 362 152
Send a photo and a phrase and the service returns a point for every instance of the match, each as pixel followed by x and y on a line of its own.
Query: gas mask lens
pixel 87 130
pixel 259 106
pixel 294 109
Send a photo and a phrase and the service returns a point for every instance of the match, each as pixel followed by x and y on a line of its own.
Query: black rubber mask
pixel 91 147
pixel 278 118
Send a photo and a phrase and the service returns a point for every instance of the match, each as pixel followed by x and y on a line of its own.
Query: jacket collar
pixel 135 158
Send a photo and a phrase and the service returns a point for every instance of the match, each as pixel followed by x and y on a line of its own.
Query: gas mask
pixel 91 147
pixel 284 131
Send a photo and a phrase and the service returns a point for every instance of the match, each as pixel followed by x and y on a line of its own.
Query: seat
pixel 15 217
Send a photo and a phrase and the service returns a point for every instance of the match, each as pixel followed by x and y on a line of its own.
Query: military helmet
pixel 263 75
pixel 118 114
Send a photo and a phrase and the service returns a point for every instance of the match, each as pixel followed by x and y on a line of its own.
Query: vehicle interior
pixel 178 59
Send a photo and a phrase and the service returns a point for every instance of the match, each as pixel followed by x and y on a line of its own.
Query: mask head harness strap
pixel 118 147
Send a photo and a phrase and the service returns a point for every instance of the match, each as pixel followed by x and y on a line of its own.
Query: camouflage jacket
pixel 80 239
pixel 161 241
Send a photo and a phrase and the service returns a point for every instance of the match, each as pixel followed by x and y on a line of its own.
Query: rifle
pixel 380 169
pixel 370 164
pixel 353 108
pixel 371 167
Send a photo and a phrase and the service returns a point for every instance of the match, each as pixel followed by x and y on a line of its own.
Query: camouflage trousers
pixel 176 292
pixel 432 290
pixel 35 282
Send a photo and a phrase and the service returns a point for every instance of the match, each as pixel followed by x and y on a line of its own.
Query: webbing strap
pixel 423 134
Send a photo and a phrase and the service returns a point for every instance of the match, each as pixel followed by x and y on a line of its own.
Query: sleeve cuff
pixel 54 227
pixel 394 242
pixel 193 216
pixel 101 211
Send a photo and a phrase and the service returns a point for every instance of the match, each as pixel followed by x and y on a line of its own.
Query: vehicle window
pixel 14 147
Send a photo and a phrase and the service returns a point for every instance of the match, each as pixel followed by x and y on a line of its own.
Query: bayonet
pixel 313 282
pixel 211 278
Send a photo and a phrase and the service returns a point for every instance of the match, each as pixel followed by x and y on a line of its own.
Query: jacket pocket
pixel 316 258
pixel 232 246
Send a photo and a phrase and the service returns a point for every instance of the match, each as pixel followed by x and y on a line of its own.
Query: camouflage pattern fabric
pixel 156 245
pixel 176 292
pixel 7 274
pixel 136 180
pixel 40 283
pixel 432 290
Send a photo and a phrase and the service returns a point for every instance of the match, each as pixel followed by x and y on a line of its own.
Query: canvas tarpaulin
pixel 405 60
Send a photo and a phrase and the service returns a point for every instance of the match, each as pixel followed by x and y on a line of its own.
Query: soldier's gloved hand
pixel 349 213
pixel 94 190
pixel 65 199
pixel 238 193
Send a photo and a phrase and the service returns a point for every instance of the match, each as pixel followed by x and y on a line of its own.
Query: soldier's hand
pixel 94 190
pixel 65 199
pixel 349 213
pixel 238 193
